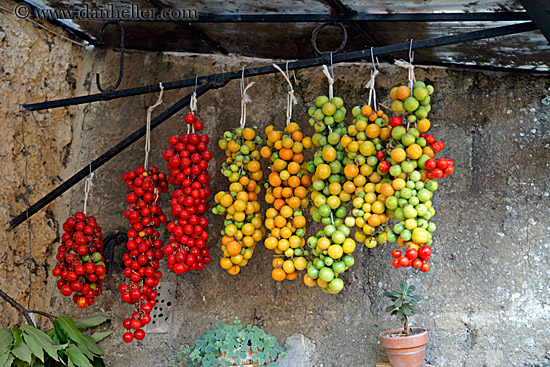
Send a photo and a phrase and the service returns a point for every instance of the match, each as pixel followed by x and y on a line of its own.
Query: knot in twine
pixel 193 103
pixel 291 99
pixel 245 99
pixel 330 82
pixel 370 85
pixel 87 186
pixel 410 67
pixel 148 127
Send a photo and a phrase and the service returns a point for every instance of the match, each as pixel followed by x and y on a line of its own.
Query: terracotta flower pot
pixel 405 351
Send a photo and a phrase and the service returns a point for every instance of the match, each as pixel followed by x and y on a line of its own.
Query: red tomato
pixel 425 252
pixel 404 261
pixel 430 164
pixel 396 121
pixel 442 163
pixel 411 254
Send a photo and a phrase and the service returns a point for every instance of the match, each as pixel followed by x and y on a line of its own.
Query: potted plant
pixel 405 347
pixel 233 345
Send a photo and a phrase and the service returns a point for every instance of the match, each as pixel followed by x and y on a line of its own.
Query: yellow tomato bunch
pixel 243 220
pixel 287 194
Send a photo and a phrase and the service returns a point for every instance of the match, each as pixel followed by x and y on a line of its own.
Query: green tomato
pixel 321 100
pixel 336 285
pixel 348 260
pixel 326 274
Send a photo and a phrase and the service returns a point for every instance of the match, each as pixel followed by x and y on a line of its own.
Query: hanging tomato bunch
pixel 243 223
pixel 80 265
pixel 287 194
pixel 332 191
pixel 187 159
pixel 144 247
pixel 398 159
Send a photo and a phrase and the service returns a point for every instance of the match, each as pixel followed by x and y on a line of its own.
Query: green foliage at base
pixel 64 345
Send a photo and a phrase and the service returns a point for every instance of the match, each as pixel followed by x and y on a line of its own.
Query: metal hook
pixel 411 53
pixel 121 70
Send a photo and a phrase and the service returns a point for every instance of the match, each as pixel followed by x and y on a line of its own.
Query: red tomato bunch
pixel 80 262
pixel 144 247
pixel 187 159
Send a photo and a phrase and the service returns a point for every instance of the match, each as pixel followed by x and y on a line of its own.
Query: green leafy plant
pixel 230 345
pixel 404 304
pixel 64 345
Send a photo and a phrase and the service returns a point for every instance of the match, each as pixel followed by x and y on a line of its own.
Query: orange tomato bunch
pixel 243 226
pixel 287 194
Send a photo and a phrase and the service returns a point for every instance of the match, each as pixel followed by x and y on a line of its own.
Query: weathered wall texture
pixel 34 65
pixel 486 300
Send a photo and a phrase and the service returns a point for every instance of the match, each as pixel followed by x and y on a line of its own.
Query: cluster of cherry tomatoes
pixel 418 259
pixel 188 159
pixel 144 246
pixel 80 265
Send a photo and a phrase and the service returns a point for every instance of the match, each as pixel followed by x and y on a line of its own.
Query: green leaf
pixel 91 345
pixel 388 294
pixel 68 327
pixel 6 359
pixel 219 324
pixel 6 338
pixel 100 335
pixel 76 356
pixel 22 352
pixel 38 334
pixel 44 339
pixel 91 322
pixel 17 335
pixel 34 345
pixel 98 362
pixel 416 297
pixel 390 308
pixel 70 364
pixel 398 303
pixel 411 289
pixel 402 285
pixel 406 311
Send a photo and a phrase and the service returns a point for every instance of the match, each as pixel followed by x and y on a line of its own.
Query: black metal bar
pixel 215 81
pixel 350 56
pixel 111 153
pixel 362 17
pixel 539 11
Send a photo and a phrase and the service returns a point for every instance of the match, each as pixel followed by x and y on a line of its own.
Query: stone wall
pixel 485 300
pixel 34 65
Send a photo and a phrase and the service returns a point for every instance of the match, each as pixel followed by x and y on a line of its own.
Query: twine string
pixel 330 82
pixel 372 82
pixel 148 127
pixel 245 99
pixel 87 186
pixel 291 99
pixel 193 103
pixel 409 66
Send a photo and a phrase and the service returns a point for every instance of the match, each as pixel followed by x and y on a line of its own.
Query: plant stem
pixel 406 331
pixel 17 306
